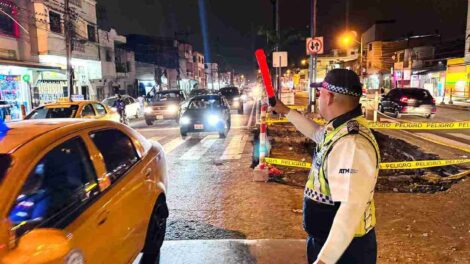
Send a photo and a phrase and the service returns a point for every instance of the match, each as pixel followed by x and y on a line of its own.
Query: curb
pixel 454 107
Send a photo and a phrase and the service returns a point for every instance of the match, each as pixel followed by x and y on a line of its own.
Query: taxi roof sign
pixel 63 100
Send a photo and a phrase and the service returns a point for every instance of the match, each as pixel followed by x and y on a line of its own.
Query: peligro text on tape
pixel 420 164
pixel 404 165
pixel 420 125
pixel 288 163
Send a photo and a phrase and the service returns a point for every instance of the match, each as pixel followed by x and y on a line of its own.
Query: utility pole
pixel 278 40
pixel 313 57
pixel 68 47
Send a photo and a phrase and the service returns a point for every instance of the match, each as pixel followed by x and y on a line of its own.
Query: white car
pixel 133 107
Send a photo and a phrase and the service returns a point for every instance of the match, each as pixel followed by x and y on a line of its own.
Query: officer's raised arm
pixel 305 125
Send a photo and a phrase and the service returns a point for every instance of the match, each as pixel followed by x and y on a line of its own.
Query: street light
pixel 347 39
pixel 304 62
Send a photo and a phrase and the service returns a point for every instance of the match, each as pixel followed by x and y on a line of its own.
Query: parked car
pixel 74 109
pixel 164 105
pixel 133 107
pixel 80 191
pixel 233 96
pixel 206 113
pixel 408 101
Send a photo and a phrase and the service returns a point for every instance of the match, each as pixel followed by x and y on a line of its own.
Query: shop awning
pixel 28 64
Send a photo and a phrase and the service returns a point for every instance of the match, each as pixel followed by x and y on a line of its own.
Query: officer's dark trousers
pixel 362 250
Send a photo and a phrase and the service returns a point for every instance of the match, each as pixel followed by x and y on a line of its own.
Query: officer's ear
pixel 331 98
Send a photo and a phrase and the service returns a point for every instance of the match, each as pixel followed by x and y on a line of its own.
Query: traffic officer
pixel 339 212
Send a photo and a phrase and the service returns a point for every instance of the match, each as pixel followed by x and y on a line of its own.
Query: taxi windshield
pixel 66 111
pixel 204 103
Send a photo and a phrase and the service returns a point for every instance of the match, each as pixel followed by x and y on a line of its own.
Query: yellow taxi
pixel 65 108
pixel 80 191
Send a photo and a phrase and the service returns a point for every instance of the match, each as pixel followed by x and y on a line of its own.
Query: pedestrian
pixel 120 107
pixel 338 206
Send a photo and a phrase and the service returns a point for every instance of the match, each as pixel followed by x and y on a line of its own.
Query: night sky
pixel 233 24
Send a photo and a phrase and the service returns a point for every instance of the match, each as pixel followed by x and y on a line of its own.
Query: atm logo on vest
pixel 347 171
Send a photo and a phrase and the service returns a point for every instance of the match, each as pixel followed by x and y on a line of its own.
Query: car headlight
pixel 172 108
pixel 213 120
pixel 185 120
pixel 148 110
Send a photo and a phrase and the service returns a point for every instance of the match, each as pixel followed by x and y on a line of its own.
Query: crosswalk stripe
pixel 156 138
pixel 460 135
pixel 197 151
pixel 235 148
pixel 444 141
pixel 173 144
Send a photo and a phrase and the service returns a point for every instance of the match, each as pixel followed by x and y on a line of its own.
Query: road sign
pixel 315 45
pixel 279 59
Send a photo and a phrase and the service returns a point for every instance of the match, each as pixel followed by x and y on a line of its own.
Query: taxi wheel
pixel 155 232
pixel 148 122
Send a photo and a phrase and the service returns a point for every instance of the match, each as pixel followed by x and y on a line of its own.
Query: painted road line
pixel 173 144
pixel 157 129
pixel 197 151
pixel 460 135
pixel 443 141
pixel 235 148
pixel 157 139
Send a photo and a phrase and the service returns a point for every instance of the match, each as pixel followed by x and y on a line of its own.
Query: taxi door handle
pixel 102 218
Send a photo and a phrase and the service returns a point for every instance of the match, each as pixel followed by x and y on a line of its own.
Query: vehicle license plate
pixel 159 117
pixel 198 126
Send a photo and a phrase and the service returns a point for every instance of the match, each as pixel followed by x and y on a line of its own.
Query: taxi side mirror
pixel 43 245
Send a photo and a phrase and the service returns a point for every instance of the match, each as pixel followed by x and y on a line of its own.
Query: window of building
pixel 108 55
pixel 91 33
pixel 401 57
pixel 370 46
pixel 57 190
pixel 7 26
pixel 370 65
pixel 118 151
pixel 55 22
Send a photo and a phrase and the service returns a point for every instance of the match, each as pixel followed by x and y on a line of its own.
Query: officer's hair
pixel 346 100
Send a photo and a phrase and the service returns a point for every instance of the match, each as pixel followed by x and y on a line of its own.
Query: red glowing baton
pixel 263 66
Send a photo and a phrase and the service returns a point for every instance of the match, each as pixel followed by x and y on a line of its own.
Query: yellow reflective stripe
pixel 324 188
pixel 367 222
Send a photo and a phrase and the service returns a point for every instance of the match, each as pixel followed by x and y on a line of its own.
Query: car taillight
pixel 433 100
pixel 404 99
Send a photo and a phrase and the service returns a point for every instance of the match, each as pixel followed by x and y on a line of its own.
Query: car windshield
pixel 204 103
pixel 416 93
pixel 166 96
pixel 67 111
pixel 230 91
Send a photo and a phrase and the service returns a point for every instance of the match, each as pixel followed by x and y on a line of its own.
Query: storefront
pixel 14 91
pixel 85 72
pixel 457 79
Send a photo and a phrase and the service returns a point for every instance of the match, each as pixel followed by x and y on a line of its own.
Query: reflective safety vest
pixel 317 187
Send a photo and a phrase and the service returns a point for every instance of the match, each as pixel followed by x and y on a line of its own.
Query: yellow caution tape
pixel 404 165
pixel 288 163
pixel 421 125
pixel 420 164
pixel 280 120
